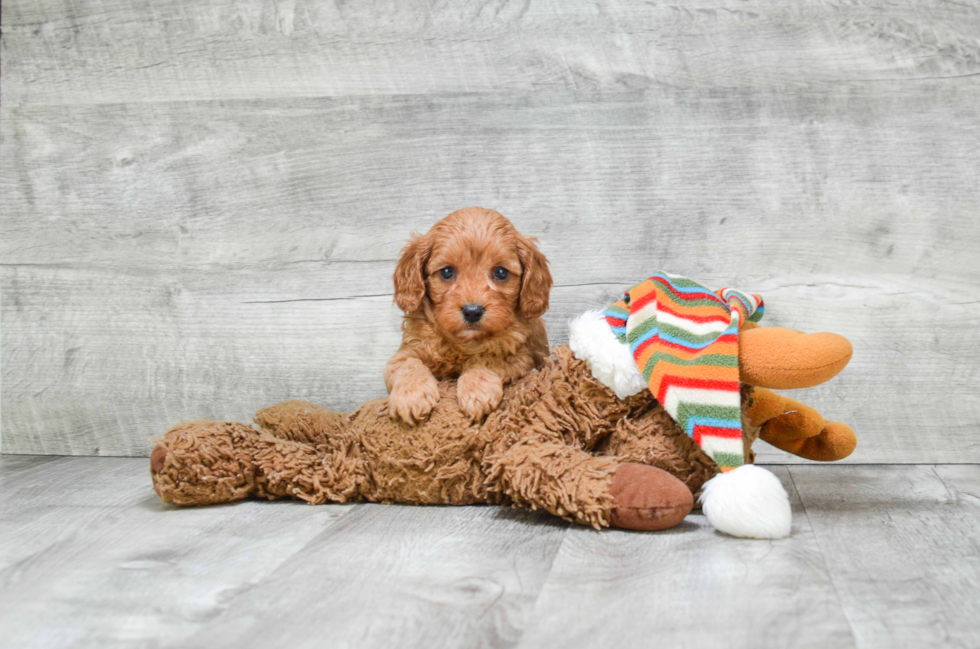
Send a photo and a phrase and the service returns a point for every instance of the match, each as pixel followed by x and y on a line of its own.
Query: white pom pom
pixel 591 339
pixel 749 502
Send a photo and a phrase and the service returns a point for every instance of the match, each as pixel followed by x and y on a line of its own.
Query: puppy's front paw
pixel 412 398
pixel 478 391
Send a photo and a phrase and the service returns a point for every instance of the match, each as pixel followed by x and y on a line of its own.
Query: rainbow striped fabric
pixel 684 339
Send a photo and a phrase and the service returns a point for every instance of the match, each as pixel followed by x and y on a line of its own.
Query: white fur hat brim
pixel 592 340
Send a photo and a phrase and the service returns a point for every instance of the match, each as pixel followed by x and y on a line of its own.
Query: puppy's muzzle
pixel 472 313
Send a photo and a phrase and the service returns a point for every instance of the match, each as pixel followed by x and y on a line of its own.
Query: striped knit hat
pixel 684 340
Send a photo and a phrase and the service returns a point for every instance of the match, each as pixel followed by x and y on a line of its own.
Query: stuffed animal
pixel 583 437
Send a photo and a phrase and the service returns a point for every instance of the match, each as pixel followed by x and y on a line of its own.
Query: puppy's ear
pixel 409 274
pixel 535 280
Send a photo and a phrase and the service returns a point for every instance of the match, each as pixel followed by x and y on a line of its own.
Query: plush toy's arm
pixel 207 462
pixel 301 421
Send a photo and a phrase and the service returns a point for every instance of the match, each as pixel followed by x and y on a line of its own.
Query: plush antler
pixel 799 429
pixel 773 357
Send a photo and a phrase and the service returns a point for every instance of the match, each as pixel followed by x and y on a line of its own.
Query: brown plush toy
pixel 560 441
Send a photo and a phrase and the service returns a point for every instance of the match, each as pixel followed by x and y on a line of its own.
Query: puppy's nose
pixel 472 313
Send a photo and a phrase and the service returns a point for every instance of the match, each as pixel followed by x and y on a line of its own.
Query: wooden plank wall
pixel 202 202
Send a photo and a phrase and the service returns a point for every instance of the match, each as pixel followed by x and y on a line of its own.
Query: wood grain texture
pixel 90 557
pixel 690 587
pixel 46 503
pixel 216 233
pixel 406 576
pixel 879 558
pixel 901 545
pixel 107 51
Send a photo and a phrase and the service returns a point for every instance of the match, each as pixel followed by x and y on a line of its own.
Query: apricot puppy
pixel 473 290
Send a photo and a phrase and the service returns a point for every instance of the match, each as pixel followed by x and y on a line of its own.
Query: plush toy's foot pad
pixel 158 458
pixel 648 498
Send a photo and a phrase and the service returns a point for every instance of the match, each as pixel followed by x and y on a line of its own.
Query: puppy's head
pixel 474 274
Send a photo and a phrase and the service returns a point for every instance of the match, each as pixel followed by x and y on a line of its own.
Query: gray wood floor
pixel 880 556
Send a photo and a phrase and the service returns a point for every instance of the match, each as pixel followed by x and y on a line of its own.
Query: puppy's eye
pixel 501 273
pixel 447 273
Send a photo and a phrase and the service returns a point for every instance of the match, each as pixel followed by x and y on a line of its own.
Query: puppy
pixel 473 290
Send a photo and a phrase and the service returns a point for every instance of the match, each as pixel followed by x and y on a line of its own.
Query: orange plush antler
pixel 786 359
pixel 797 428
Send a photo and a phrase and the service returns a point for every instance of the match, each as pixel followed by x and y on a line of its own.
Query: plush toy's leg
pixel 204 462
pixel 654 438
pixel 207 462
pixel 797 428
pixel 588 489
pixel 773 357
pixel 301 421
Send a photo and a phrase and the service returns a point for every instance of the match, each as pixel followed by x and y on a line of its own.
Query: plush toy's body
pixel 559 441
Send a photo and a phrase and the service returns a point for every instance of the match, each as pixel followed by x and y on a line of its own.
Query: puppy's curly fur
pixel 472 258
